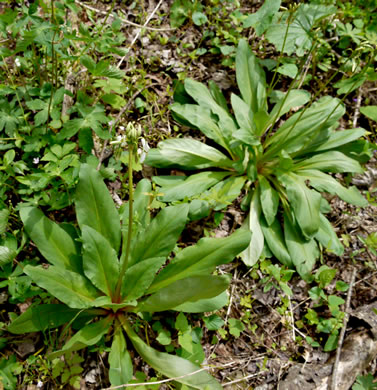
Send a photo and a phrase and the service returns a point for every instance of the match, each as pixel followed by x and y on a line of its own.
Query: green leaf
pixel 88 62
pixel 223 194
pixel 8 368
pixel 298 38
pixel 202 258
pixel 236 327
pixel 193 185
pixel 200 117
pixel 331 161
pixel 350 84
pixel 289 70
pixel 179 12
pixel 251 78
pixel 327 237
pixel 243 113
pixel 370 112
pixel 199 18
pixel 100 261
pixel 275 241
pixel 142 199
pixel 339 138
pixel 189 289
pixel 121 368
pixel 186 153
pixel 365 383
pixel 4 216
pixel 331 343
pixel 172 366
pixel 160 237
pixel 95 207
pixel 302 252
pixel 139 277
pixel 200 93
pixel 213 322
pixel 262 19
pixel 323 182
pixel 204 305
pixel 305 203
pixel 295 98
pixel 114 100
pixel 269 199
pixel 41 318
pixel 302 130
pixel 7 255
pixel 88 335
pixel 252 253
pixel 55 244
pixel 69 287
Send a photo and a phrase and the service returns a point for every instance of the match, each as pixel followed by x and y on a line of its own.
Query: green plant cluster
pixel 122 280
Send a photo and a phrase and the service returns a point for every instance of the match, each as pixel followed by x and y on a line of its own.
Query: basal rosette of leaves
pixel 283 166
pixel 105 274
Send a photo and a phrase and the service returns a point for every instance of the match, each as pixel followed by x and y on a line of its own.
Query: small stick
pixel 357 109
pixel 343 331
pixel 154 383
pixel 126 21
pixel 139 32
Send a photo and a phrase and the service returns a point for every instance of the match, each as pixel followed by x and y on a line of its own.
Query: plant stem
pixel 126 251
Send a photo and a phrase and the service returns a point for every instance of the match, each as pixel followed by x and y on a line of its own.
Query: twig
pixel 154 383
pixel 230 299
pixel 139 32
pixel 306 68
pixel 343 331
pixel 292 319
pixel 242 379
pixel 357 109
pixel 126 21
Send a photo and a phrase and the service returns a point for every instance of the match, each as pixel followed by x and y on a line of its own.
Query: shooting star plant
pixel 109 273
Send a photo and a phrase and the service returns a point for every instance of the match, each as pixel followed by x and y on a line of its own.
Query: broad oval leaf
pixel 187 154
pixel 303 129
pixel 55 244
pixel 139 277
pixel 331 161
pixel 200 93
pixel 305 203
pixel 7 255
pixel 88 335
pixel 172 366
pixel 100 262
pixel 200 118
pixel 323 182
pixel 160 237
pixel 327 237
pixel 370 112
pixel 121 368
pixel 223 194
pixel 269 199
pixel 340 138
pixel 189 289
pixel 41 318
pixel 69 287
pixel 243 113
pixel 292 99
pixel 251 78
pixel 275 240
pixel 204 305
pixel 302 252
pixel 95 207
pixel 193 185
pixel 252 253
pixel 202 258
